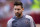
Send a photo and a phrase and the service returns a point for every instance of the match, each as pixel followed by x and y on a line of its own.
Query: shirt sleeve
pixel 32 23
pixel 9 23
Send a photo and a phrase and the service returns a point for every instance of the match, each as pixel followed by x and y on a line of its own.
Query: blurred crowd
pixel 31 7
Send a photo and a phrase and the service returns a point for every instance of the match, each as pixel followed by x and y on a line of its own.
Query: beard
pixel 18 14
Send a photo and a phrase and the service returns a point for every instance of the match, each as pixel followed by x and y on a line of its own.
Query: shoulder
pixel 29 17
pixel 10 21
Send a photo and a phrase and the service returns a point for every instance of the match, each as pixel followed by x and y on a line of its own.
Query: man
pixel 20 20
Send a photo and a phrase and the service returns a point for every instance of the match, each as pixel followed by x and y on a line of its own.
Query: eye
pixel 15 9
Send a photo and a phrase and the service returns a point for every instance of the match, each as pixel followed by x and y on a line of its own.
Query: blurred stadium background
pixel 31 7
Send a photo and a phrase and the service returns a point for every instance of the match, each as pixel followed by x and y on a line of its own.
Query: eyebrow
pixel 17 9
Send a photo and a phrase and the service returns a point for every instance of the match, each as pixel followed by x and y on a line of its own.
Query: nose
pixel 17 11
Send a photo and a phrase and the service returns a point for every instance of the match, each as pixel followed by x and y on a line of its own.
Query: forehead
pixel 18 6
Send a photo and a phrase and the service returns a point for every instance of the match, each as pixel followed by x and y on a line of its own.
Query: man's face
pixel 18 10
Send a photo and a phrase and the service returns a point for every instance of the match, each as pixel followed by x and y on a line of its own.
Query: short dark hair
pixel 18 3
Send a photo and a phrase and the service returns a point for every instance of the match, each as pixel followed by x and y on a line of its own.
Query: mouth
pixel 18 14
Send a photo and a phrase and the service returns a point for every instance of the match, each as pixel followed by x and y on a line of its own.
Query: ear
pixel 22 9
